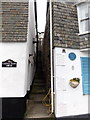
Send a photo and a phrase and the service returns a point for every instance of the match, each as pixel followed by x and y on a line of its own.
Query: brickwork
pixel 14 21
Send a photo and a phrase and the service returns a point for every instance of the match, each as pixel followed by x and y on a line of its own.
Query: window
pixel 83 17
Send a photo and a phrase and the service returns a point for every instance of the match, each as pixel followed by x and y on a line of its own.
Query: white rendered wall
pixel 68 101
pixel 30 46
pixel 14 82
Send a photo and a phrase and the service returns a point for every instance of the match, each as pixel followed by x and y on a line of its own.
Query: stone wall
pixel 14 21
pixel 65 33
pixel 46 53
pixel 0 21
pixel 65 25
pixel 84 41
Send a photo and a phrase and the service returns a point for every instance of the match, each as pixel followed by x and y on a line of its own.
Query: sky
pixel 41 14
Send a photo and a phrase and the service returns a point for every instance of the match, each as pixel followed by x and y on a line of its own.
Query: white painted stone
pixel 69 101
pixel 14 82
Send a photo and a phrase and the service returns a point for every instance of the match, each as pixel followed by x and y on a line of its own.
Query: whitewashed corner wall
pixel 31 48
pixel 68 101
pixel 14 82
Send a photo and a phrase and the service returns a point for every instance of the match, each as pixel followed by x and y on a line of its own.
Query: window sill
pixel 84 33
pixel 87 49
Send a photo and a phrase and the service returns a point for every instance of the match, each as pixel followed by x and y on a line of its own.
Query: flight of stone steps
pixel 35 107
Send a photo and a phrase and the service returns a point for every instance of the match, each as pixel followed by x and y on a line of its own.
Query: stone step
pixel 38 88
pixel 40 102
pixel 39 85
pixel 38 92
pixel 41 118
pixel 38 76
pixel 36 109
pixel 37 98
pixel 39 64
pixel 39 81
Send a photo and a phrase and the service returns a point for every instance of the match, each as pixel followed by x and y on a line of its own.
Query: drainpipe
pixel 51 58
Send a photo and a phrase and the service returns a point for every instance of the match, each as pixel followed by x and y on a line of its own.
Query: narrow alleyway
pixel 35 107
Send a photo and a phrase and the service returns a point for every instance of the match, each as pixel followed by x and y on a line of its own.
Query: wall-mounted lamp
pixel 63 51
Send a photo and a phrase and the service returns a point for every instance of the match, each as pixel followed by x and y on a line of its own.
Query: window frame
pixel 83 19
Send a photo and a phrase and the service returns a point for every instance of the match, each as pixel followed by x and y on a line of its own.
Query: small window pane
pixel 83 10
pixel 84 26
pixel 83 17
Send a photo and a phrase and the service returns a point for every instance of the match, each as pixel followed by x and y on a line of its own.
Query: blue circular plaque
pixel 72 56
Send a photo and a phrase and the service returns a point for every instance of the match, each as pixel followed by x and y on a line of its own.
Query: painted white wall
pixel 68 101
pixel 31 48
pixel 14 82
